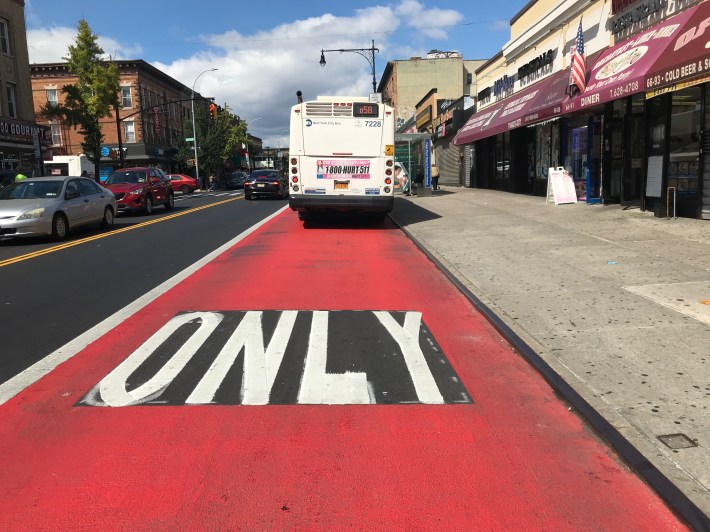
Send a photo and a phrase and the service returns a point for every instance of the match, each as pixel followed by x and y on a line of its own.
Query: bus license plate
pixel 341 185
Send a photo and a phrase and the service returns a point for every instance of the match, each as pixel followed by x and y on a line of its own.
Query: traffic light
pixel 213 111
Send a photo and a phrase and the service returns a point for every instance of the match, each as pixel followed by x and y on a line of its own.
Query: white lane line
pixel 19 382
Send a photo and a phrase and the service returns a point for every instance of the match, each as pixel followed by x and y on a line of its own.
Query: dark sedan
pixel 266 183
pixel 236 180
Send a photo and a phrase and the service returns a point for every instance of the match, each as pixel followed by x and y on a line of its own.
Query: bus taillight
pixel 293 161
pixel 294 179
pixel 388 181
pixel 389 162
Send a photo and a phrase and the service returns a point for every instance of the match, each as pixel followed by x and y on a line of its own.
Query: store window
pixel 5 37
pixel 502 171
pixel 129 131
pixel 126 98
pixel 684 141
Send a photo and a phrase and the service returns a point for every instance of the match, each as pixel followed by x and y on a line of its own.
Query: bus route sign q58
pixel 366 109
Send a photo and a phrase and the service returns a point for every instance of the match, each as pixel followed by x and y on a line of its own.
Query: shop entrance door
pixel 633 168
pixel 616 152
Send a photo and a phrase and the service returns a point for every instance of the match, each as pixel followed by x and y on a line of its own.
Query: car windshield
pixel 263 174
pixel 126 176
pixel 31 190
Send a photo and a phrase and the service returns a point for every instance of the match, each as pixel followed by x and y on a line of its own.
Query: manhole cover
pixel 677 441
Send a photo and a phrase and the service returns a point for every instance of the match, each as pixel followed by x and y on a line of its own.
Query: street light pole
pixel 194 132
pixel 360 51
pixel 247 132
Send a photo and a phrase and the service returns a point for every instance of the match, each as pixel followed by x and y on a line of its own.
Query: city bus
pixel 341 156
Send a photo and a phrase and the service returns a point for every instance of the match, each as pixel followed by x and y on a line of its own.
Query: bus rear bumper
pixel 303 203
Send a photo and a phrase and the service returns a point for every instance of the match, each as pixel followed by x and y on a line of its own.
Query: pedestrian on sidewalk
pixel 213 183
pixel 434 177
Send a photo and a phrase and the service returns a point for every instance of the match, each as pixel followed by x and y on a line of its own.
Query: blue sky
pixel 266 51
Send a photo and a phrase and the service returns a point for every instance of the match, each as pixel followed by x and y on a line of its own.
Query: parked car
pixel 266 183
pixel 182 183
pixel 140 189
pixel 236 180
pixel 54 206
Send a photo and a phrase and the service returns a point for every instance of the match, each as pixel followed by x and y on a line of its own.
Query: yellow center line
pixel 67 245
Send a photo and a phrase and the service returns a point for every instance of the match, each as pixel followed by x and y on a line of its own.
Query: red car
pixel 140 189
pixel 183 183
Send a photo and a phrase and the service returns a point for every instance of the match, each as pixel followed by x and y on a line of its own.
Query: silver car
pixel 53 206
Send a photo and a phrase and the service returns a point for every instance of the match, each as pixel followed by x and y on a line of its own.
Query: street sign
pixel 104 151
pixel 190 139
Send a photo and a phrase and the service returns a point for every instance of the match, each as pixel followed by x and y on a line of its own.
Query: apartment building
pixel 21 140
pixel 153 110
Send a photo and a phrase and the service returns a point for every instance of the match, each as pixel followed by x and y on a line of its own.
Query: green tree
pixel 222 140
pixel 92 97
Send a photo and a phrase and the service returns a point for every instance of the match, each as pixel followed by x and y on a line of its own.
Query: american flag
pixel 578 70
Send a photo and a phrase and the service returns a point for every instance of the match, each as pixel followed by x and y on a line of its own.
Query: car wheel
pixel 148 207
pixel 60 227
pixel 107 221
pixel 247 196
pixel 170 203
pixel 185 189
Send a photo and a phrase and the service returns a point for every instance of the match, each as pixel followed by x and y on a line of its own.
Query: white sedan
pixel 53 206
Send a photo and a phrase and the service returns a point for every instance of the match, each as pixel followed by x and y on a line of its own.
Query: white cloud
pixel 260 73
pixel 51 45
pixel 432 23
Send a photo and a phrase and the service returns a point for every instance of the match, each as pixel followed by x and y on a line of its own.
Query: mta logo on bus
pixel 309 122
pixel 284 357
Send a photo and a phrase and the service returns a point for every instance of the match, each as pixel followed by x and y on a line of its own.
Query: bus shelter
pixel 412 151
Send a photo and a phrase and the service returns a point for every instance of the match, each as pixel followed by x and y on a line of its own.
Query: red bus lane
pixel 309 378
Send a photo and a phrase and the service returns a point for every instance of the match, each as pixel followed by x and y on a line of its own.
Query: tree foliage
pixel 221 140
pixel 93 95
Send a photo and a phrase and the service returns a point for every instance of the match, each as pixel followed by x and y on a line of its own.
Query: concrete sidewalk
pixel 615 301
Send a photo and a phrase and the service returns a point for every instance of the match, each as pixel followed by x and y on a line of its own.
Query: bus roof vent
pixel 328 109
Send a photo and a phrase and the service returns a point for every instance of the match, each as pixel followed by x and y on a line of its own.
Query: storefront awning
pixel 532 104
pixel 686 60
pixel 504 115
pixel 624 69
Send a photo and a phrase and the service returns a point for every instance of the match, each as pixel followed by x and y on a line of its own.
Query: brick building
pixel 20 138
pixel 152 113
